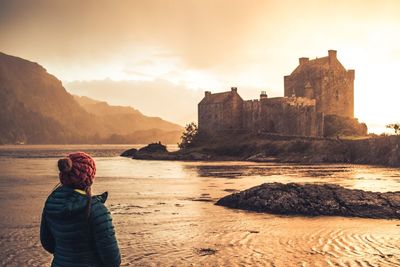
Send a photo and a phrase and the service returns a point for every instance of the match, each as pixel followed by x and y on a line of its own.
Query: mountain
pixel 36 109
pixel 123 120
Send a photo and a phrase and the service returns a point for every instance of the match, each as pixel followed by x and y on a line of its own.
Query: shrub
pixel 337 125
pixel 298 146
pixel 395 127
pixel 271 149
pixel 189 136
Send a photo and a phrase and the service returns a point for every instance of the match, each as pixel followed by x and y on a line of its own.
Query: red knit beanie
pixel 77 170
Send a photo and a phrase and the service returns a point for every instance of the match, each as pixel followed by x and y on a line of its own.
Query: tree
pixel 342 126
pixel 189 136
pixel 395 127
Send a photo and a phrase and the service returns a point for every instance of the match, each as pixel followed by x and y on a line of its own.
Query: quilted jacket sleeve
pixel 46 238
pixel 104 235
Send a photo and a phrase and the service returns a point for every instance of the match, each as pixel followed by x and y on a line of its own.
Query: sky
pixel 159 56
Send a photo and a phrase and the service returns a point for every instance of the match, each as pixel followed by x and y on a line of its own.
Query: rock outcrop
pixel 314 200
pixel 153 151
pixel 158 151
pixel 154 148
pixel 129 153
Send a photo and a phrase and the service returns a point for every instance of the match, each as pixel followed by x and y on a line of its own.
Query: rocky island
pixel 313 123
pixel 264 147
pixel 315 200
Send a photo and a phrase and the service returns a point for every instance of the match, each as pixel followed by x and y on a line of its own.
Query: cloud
pixel 93 30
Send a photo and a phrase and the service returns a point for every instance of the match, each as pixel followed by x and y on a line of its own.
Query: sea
pixel 164 212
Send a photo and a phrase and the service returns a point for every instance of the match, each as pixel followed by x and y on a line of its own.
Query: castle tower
pixel 325 80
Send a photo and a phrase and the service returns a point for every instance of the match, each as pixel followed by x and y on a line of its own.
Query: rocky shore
pixel 383 151
pixel 315 200
pixel 158 151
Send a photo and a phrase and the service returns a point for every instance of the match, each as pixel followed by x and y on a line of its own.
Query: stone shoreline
pixel 383 151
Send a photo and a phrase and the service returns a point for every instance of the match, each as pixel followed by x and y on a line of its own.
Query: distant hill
pixel 36 109
pixel 124 120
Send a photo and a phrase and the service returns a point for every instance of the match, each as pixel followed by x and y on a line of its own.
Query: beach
pixel 164 212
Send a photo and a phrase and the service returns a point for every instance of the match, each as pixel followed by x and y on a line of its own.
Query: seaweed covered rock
pixel 314 200
pixel 129 153
pixel 154 148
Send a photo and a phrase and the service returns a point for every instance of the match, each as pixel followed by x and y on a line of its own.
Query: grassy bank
pixel 268 147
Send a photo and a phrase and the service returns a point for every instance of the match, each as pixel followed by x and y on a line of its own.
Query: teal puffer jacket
pixel 74 239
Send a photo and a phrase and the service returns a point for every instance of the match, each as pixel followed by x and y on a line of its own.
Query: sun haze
pixel 141 53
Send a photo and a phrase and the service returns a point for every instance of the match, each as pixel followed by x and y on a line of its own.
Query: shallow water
pixel 164 212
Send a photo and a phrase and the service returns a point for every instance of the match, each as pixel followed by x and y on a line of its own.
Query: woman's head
pixel 77 170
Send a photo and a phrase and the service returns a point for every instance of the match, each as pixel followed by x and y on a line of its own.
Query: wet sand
pixel 164 215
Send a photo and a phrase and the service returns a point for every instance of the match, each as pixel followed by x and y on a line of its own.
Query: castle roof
pixel 217 98
pixel 317 64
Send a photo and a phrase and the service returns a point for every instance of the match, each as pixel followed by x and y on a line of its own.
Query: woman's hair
pixel 88 191
pixel 65 165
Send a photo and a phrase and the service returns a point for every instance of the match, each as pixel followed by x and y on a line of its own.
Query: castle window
pixel 337 95
pixel 271 126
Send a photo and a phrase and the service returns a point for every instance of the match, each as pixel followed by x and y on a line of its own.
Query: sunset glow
pixel 209 45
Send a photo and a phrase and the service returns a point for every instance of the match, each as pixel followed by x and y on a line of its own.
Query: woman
pixel 76 227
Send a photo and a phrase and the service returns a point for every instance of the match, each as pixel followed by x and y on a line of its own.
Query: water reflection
pixel 240 169
pixel 219 171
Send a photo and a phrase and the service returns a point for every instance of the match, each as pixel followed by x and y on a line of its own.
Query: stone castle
pixel 315 89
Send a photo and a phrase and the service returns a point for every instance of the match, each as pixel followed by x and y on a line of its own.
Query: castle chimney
pixel 207 93
pixel 351 74
pixel 234 89
pixel 263 95
pixel 332 55
pixel 303 60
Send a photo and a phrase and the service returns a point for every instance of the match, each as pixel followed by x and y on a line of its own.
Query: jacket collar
pixel 80 191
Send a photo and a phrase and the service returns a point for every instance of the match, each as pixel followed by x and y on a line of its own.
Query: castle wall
pixel 282 115
pixel 232 116
pixel 335 96
pixel 252 115
pixel 210 117
pixel 291 116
